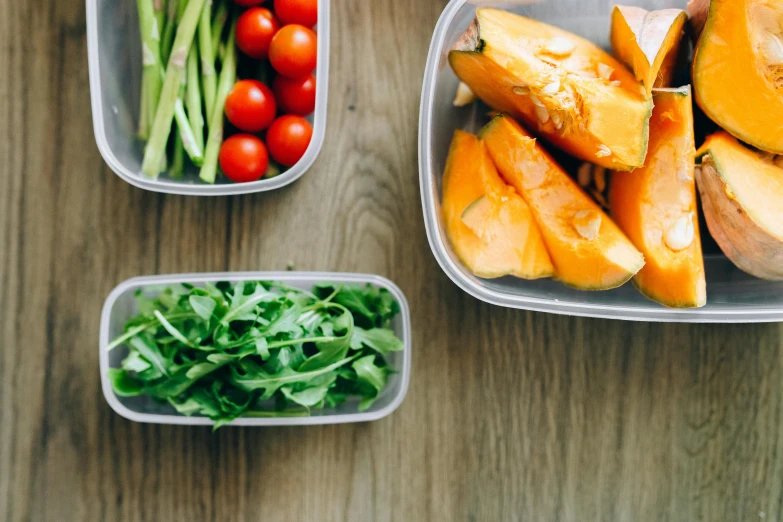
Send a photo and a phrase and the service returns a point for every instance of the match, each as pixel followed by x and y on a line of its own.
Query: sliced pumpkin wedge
pixel 648 42
pixel 503 221
pixel 738 70
pixel 742 198
pixel 655 206
pixel 501 237
pixel 588 250
pixel 569 90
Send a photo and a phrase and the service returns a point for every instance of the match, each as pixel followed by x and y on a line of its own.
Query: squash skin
pixel 602 121
pixel 728 80
pixel 648 42
pixel 605 261
pixel 470 175
pixel 730 176
pixel 648 200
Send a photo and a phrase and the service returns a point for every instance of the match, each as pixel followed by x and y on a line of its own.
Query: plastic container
pixel 121 306
pixel 732 295
pixel 114 49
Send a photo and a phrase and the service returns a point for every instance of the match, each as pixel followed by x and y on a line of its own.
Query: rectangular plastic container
pixel 114 49
pixel 732 295
pixel 121 305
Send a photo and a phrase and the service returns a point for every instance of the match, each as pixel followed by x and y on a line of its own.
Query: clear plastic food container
pixel 121 305
pixel 732 295
pixel 114 49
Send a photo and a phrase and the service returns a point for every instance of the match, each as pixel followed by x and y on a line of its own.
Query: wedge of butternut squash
pixel 500 236
pixel 738 70
pixel 656 207
pixel 648 42
pixel 742 198
pixel 587 249
pixel 566 88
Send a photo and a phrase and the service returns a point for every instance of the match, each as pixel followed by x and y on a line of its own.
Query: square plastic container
pixel 121 305
pixel 732 295
pixel 114 49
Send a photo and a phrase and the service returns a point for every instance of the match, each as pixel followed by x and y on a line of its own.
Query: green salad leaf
pixel 257 348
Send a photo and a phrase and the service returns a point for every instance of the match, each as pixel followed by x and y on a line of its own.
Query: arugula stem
pixel 280 344
pixel 140 328
pixel 161 127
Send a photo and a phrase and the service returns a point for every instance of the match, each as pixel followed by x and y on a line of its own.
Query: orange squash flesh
pixel 648 42
pixel 509 242
pixel 655 206
pixel 566 88
pixel 588 250
pixel 738 70
pixel 742 198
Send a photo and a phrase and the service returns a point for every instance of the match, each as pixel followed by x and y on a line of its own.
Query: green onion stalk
pixel 175 71
pixel 227 77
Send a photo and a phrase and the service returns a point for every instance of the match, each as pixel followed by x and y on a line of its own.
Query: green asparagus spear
pixel 195 152
pixel 193 98
pixel 215 139
pixel 168 30
pixel 161 127
pixel 160 14
pixel 207 55
pixel 150 55
pixel 218 23
pixel 177 168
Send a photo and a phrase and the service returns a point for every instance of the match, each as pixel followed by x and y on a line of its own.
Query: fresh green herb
pixel 258 348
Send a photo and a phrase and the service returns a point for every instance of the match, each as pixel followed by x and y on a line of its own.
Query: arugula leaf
pixel 332 350
pixel 123 384
pixel 134 362
pixel 203 305
pixel 256 378
pixel 371 376
pixel 150 351
pixel 382 340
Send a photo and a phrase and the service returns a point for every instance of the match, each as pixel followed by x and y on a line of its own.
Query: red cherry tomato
pixel 255 29
pixel 248 3
pixel 303 12
pixel 293 51
pixel 243 158
pixel 288 138
pixel 250 106
pixel 295 96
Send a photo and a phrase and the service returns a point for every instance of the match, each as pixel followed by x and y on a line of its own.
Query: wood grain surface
pixel 510 415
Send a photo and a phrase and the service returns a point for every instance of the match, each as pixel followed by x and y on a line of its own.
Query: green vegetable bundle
pixel 181 89
pixel 258 348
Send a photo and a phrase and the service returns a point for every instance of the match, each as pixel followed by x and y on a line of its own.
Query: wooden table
pixel 510 415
